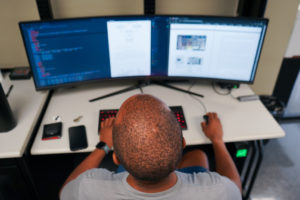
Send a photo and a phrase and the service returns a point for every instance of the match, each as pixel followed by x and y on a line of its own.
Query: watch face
pixel 100 145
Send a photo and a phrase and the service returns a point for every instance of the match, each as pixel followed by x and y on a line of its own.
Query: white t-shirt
pixel 103 184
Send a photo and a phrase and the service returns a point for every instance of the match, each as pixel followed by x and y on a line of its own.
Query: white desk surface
pixel 26 104
pixel 241 121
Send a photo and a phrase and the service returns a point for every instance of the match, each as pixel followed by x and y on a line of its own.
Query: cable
pixel 197 99
pixel 141 89
pixel 233 96
pixel 192 85
pixel 215 89
pixel 203 105
pixel 9 90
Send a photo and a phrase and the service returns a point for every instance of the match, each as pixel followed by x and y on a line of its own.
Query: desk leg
pixel 252 169
pixel 23 166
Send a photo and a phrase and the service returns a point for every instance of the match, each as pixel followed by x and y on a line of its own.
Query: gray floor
pixel 279 175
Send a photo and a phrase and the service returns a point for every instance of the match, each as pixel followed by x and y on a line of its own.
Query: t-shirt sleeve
pixel 70 191
pixel 215 185
pixel 232 188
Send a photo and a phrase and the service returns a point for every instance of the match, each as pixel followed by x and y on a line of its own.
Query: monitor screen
pixel 73 51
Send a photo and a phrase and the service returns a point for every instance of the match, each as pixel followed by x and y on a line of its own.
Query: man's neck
pixel 144 186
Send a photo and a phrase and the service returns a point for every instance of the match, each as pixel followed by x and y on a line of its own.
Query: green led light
pixel 241 153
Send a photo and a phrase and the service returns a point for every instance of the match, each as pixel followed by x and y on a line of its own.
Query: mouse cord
pixel 201 102
pixel 196 98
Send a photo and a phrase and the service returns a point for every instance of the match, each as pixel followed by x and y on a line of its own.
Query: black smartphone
pixel 77 138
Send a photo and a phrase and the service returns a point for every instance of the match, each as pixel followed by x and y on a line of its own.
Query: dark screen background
pixel 67 51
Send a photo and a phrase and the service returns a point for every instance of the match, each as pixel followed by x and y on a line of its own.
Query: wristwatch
pixel 104 147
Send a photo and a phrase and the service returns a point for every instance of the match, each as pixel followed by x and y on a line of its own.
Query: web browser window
pixel 219 51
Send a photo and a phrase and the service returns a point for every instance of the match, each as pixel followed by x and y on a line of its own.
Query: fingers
pixel 108 122
pixel 203 125
pixel 215 116
pixel 212 115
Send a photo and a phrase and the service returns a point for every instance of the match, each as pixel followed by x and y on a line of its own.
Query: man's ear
pixel 115 159
pixel 183 143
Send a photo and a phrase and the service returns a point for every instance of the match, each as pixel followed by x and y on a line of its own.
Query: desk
pixel 26 104
pixel 242 121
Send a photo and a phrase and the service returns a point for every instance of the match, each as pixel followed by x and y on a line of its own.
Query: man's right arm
pixel 224 163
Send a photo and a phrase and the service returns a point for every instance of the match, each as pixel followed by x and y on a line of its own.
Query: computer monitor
pixel 75 51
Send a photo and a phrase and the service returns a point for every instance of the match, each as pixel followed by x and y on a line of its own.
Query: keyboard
pixel 177 110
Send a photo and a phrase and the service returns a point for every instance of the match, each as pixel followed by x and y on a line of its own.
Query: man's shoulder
pixel 102 174
pixel 202 178
pixel 91 183
pixel 210 183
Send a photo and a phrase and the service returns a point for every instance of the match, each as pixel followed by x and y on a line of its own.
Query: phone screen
pixel 77 138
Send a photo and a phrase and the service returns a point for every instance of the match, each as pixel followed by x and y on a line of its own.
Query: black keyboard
pixel 177 110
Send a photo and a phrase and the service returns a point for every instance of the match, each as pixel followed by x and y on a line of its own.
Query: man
pixel 148 143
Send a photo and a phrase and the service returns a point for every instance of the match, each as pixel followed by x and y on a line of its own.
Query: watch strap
pixel 103 146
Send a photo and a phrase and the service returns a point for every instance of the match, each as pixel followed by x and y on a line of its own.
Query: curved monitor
pixel 74 51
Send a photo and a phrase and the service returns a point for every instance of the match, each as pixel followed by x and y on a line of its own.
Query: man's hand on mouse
pixel 213 129
pixel 106 131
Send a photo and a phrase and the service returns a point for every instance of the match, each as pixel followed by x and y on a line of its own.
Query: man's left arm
pixel 96 157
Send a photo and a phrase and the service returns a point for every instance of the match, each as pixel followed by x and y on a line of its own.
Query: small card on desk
pixel 52 131
pixel 19 73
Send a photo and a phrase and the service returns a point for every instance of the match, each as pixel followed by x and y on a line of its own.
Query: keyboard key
pixel 177 110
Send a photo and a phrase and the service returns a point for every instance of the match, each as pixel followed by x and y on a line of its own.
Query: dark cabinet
pixel 14 184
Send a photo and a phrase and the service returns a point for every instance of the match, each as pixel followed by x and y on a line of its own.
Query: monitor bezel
pixel 144 78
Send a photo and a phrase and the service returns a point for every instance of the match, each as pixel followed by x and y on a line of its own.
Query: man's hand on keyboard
pixel 106 131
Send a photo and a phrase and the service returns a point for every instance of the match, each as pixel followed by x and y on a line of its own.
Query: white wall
pixel 12 51
pixel 294 43
pixel 282 15
pixel 194 7
pixel 82 8
pixel 76 8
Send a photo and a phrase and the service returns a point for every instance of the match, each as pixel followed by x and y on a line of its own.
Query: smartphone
pixel 77 138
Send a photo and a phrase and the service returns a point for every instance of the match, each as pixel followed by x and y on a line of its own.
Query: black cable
pixel 141 89
pixel 9 90
pixel 192 85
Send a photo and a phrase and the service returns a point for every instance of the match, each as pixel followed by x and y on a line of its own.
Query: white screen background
pixel 229 51
pixel 129 48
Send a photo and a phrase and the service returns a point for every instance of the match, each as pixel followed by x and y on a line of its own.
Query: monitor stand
pixel 144 84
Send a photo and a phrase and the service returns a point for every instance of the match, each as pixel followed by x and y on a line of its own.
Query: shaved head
pixel 147 138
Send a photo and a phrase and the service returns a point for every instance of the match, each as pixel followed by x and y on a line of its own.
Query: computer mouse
pixel 205 117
